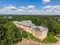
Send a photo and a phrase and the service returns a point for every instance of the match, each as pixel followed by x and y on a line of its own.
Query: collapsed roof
pixel 30 24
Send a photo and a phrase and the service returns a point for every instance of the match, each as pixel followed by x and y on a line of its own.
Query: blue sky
pixel 48 7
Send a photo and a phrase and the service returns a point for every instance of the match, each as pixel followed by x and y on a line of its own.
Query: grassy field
pixel 50 39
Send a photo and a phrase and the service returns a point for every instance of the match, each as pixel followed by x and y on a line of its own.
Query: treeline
pixel 10 34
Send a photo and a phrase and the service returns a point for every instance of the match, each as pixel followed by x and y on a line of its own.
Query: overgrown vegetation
pixel 29 36
pixel 10 34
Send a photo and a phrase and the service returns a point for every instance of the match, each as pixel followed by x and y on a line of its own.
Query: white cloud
pixel 49 6
pixel 20 10
pixel 10 7
pixel 30 11
pixel 55 7
pixel 22 7
pixel 52 8
pixel 46 1
pixel 34 11
pixel 46 10
pixel 49 10
pixel 30 7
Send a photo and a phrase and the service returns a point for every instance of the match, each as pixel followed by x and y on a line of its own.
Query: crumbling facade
pixel 37 31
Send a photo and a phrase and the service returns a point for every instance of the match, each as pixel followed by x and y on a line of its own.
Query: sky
pixel 40 7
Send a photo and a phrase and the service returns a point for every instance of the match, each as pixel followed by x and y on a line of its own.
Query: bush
pixel 24 34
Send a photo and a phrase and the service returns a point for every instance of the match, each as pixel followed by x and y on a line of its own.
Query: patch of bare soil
pixel 26 42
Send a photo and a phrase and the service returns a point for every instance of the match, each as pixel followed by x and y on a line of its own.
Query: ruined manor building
pixel 39 32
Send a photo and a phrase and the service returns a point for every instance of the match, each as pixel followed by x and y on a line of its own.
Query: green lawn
pixel 50 39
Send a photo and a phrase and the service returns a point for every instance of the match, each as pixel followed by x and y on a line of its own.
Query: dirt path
pixel 30 42
pixel 26 42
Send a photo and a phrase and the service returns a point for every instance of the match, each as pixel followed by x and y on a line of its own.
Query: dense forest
pixel 10 34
